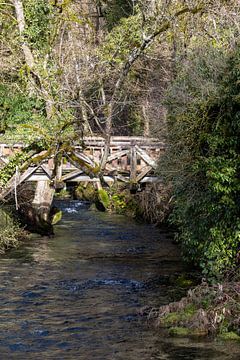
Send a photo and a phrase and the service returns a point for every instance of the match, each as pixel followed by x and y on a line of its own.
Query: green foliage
pixel 16 109
pixel 87 192
pixel 179 331
pixel 118 201
pixel 56 217
pixel 121 40
pixel 8 171
pixel 204 125
pixel 135 122
pixel 63 194
pixel 10 232
pixel 116 10
pixel 39 19
pixel 229 336
pixel 103 198
pixel 17 160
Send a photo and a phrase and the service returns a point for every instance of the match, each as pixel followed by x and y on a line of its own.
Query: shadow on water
pixel 78 295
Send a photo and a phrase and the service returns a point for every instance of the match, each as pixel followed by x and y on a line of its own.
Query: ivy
pixel 206 131
pixel 38 16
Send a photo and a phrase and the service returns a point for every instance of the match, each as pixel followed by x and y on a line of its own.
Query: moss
pixel 179 331
pixel 56 218
pixel 177 317
pixel 63 194
pixel 231 335
pixel 86 192
pixel 183 281
pixel 10 232
pixel 122 201
pixel 170 319
pixel 104 198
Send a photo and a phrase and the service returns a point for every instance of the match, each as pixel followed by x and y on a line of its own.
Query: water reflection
pixel 77 295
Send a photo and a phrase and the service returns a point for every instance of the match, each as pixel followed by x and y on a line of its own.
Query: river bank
pixel 207 310
pixel 11 233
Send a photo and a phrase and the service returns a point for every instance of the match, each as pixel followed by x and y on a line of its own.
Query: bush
pixel 203 161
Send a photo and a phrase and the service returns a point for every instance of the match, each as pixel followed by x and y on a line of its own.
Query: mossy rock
pixel 87 193
pixel 170 319
pixel 176 317
pixel 179 331
pixel 231 335
pixel 63 194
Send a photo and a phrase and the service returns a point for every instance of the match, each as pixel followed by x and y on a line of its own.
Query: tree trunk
pixel 29 59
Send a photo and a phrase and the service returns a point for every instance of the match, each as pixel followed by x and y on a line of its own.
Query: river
pixel 78 295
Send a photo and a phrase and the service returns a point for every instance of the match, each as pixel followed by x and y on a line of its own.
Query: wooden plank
pixel 85 178
pixel 94 159
pixel 47 170
pixel 71 175
pixel 122 178
pixel 146 157
pixel 37 177
pixel 149 179
pixel 3 161
pixel 117 155
pixel 11 184
pixel 84 158
pixel 143 173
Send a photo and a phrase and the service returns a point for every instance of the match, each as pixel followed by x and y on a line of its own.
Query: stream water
pixel 78 295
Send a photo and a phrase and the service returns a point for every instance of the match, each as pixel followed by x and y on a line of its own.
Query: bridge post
pixel 42 205
pixel 133 162
pixel 59 171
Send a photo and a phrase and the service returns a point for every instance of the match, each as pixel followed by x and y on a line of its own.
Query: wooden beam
pixel 3 160
pixel 122 178
pixel 133 163
pixel 144 172
pixel 71 175
pixel 85 178
pixel 146 157
pixel 11 183
pixel 47 170
pixel 84 158
pixel 117 155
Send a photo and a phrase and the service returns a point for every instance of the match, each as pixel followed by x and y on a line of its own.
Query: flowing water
pixel 78 295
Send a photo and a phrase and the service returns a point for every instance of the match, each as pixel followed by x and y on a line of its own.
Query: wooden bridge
pixel 131 159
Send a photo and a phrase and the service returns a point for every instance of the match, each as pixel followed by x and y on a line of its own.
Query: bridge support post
pixel 38 215
pixel 133 163
pixel 43 200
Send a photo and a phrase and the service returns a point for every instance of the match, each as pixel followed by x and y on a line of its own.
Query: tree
pixel 202 161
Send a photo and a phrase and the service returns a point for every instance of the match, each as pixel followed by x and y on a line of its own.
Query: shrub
pixel 203 161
